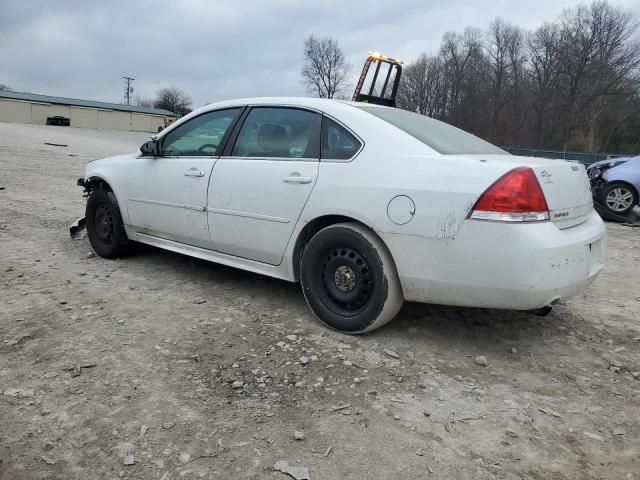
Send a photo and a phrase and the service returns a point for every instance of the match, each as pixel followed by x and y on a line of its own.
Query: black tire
pixel 104 225
pixel 618 197
pixel 349 279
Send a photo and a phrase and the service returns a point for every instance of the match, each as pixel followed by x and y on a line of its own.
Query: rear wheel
pixel 104 225
pixel 619 198
pixel 349 279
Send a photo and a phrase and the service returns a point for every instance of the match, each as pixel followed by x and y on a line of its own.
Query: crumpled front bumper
pixel 77 230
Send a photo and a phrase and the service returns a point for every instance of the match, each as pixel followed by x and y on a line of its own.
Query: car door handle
pixel 296 179
pixel 194 173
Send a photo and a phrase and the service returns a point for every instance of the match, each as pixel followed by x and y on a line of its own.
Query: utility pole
pixel 128 89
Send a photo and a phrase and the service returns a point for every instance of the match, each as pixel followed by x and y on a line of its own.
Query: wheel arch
pixel 314 226
pixel 96 181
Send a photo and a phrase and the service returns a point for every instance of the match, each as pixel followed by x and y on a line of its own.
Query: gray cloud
pixel 222 49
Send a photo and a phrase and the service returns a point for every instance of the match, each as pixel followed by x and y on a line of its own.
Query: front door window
pixel 199 137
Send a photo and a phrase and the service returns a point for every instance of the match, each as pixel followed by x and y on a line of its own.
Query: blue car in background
pixel 616 183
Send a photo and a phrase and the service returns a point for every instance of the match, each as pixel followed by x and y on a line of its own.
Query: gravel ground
pixel 162 366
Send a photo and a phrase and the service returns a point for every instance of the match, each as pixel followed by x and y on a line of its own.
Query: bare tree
pixel 143 102
pixel 174 100
pixel 502 61
pixel 422 86
pixel 325 70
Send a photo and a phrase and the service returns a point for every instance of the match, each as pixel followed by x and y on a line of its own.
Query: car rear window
pixel 440 136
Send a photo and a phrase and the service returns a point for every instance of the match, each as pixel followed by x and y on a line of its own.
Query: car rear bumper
pixel 497 265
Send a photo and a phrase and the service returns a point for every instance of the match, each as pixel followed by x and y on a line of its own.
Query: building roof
pixel 33 97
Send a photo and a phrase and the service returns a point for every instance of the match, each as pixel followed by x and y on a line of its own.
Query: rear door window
pixel 337 142
pixel 279 132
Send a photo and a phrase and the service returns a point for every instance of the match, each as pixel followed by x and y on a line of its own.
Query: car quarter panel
pixel 441 189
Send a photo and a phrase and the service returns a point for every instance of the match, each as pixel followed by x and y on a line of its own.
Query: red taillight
pixel 514 197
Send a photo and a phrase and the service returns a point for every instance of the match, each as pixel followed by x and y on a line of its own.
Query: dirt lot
pixel 126 368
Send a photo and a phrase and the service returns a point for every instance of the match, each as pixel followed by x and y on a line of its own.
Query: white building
pixel 18 107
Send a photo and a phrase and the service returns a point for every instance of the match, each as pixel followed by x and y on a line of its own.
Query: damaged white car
pixel 366 206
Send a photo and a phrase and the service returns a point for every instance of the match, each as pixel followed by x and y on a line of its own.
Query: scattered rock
pixel 514 350
pixel 391 353
pixel 143 430
pixel 184 457
pixel 237 384
pixel 168 425
pixel 120 322
pixel 18 392
pixel 511 434
pixel 298 473
pixel 128 459
pixel 292 338
pixel 619 431
pixel 482 361
pixel 304 360
pixel 48 460
pixel 426 413
pixel 298 435
pixel 91 255
pixel 594 436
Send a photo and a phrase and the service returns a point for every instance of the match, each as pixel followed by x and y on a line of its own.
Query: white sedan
pixel 365 206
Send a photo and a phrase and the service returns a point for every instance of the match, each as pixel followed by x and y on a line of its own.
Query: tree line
pixel 573 83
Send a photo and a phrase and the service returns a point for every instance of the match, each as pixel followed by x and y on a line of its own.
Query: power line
pixel 128 89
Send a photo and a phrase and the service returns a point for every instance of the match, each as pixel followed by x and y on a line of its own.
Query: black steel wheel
pixel 104 225
pixel 349 279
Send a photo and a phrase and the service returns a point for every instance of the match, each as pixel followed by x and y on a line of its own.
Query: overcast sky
pixel 221 49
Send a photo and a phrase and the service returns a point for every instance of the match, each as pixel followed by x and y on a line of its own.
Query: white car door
pixel 258 190
pixel 167 194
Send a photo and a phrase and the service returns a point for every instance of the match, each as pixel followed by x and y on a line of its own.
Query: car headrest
pixel 272 138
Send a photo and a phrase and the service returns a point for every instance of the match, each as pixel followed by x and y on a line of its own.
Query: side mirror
pixel 150 148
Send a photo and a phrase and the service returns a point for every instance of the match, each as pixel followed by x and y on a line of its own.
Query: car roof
pixel 322 104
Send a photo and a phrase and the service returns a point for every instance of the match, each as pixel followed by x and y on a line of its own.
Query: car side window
pixel 278 132
pixel 200 136
pixel 337 142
